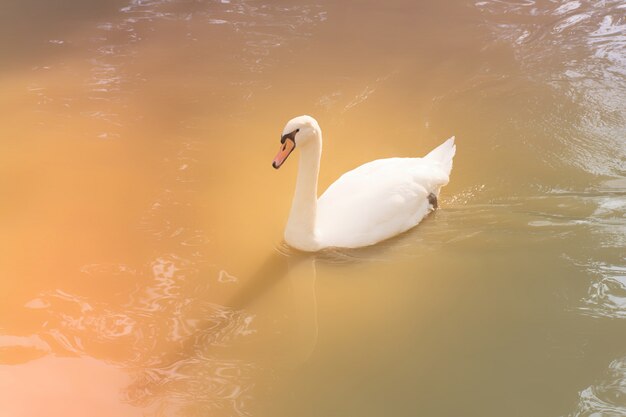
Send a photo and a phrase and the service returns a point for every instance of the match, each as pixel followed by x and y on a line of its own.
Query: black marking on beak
pixel 291 135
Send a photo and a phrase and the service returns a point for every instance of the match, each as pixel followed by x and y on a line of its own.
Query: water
pixel 143 272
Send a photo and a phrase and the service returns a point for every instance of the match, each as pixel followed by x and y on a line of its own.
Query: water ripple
pixel 607 397
pixel 607 295
pixel 167 340
pixel 578 49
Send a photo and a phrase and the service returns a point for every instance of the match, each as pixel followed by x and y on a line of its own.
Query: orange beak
pixel 285 149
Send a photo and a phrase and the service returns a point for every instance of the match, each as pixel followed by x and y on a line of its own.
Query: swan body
pixel 371 203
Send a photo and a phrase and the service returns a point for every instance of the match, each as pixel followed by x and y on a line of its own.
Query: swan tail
pixel 443 154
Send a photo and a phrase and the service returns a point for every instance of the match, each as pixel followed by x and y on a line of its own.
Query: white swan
pixel 371 203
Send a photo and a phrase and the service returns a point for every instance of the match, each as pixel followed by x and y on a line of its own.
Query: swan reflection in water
pixel 286 277
pixel 299 272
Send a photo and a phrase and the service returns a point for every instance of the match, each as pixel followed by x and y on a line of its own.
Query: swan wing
pixel 378 200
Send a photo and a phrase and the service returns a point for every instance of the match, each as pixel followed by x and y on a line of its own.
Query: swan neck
pixel 300 231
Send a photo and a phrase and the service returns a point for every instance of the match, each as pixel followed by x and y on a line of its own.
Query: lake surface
pixel 143 271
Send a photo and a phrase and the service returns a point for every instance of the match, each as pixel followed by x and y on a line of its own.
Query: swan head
pixel 300 131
